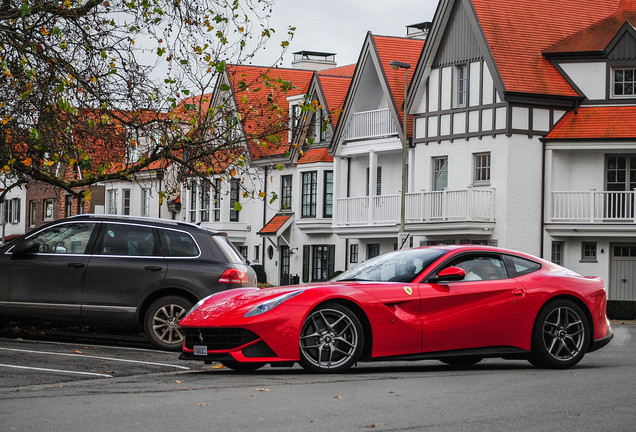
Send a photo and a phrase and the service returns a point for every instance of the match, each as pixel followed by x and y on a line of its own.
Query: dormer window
pixel 462 85
pixel 296 114
pixel 624 82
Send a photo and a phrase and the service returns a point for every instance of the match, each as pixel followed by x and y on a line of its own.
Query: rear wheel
pixel 560 336
pixel 161 323
pixel 331 339
pixel 242 367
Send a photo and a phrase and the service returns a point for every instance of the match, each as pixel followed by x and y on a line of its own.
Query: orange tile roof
pixel 597 36
pixel 335 88
pixel 274 224
pixel 608 122
pixel 404 50
pixel 518 32
pixel 251 90
pixel 316 155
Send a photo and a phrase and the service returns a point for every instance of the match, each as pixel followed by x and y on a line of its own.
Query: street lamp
pixel 400 65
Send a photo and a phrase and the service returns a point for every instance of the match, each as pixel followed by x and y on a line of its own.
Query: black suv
pixel 117 271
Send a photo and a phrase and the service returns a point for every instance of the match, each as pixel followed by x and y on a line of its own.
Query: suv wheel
pixel 161 323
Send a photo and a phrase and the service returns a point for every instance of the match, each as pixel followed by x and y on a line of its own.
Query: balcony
pixel 592 207
pixel 447 206
pixel 371 124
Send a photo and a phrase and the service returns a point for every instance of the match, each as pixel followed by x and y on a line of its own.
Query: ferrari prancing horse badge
pixel 408 290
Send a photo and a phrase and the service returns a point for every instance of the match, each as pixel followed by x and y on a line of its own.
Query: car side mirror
pixel 449 274
pixel 24 247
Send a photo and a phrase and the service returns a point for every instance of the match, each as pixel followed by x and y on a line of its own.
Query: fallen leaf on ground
pixel 261 389
pixel 78 352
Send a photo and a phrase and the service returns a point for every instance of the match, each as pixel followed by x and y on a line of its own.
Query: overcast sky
pixel 340 26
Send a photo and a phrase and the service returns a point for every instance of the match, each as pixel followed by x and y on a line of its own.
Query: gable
pixel 459 43
pixel 624 48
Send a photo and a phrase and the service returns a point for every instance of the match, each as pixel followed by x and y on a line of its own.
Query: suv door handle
pixel 76 265
pixel 152 268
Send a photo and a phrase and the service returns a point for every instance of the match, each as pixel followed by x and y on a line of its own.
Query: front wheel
pixel 161 322
pixel 560 336
pixel 331 339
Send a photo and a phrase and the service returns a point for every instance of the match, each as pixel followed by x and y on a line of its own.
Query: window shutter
pixel 331 260
pixel 17 211
pixel 306 252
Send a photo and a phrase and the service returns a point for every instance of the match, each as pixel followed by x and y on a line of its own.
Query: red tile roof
pixel 406 51
pixel 608 122
pixel 316 155
pixel 519 31
pixel 335 85
pixel 597 36
pixel 274 224
pixel 257 90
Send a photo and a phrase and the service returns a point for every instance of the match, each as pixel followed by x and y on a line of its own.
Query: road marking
pixel 57 371
pixel 57 343
pixel 96 357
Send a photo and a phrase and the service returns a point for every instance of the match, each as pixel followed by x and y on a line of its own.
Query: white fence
pixel 592 206
pixel 447 205
pixel 369 124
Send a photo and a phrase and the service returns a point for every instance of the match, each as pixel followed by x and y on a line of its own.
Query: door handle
pixel 152 268
pixel 75 265
pixel 519 292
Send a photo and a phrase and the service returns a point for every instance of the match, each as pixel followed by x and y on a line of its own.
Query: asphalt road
pixel 47 385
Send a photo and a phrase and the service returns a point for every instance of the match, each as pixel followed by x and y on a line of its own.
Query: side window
pixel 481 267
pixel 129 240
pixel 69 238
pixel 518 266
pixel 178 244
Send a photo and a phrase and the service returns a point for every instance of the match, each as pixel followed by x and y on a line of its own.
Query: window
pixel 557 253
pixel 625 82
pixel 321 127
pixel 320 269
pixel 620 176
pixel 12 211
pixel 481 267
pixel 257 253
pixel 353 253
pixel 71 238
pixel 205 203
pixel 284 265
pixel 47 209
pixel 234 200
pixel 193 201
pixel 328 198
pixel 308 204
pixel 481 168
pixel 440 173
pixel 217 200
pixel 296 114
pixel 520 266
pixel 378 188
pixel 178 244
pixel 132 152
pixel 129 240
pixel 286 192
pixel 126 201
pixel 244 251
pixel 33 213
pixel 145 202
pixel 373 250
pixel 588 251
pixel 462 85
pixel 112 201
pixel 81 201
pixel 68 205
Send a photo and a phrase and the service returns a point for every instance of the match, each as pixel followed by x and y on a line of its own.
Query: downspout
pixel 542 222
pixel 263 254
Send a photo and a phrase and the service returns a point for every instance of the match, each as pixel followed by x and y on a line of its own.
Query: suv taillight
pixel 234 276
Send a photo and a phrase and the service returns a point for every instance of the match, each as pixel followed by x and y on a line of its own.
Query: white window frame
pixel 112 201
pixel 481 173
pixel 462 83
pixel 631 95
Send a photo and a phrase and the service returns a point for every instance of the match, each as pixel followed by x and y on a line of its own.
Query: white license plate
pixel 201 350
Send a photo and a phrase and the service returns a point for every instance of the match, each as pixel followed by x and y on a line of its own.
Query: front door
pixel 622 285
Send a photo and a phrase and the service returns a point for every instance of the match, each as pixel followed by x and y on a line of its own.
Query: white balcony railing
pixel 592 206
pixel 370 124
pixel 447 205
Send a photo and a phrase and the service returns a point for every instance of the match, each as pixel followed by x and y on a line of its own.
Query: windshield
pixel 399 266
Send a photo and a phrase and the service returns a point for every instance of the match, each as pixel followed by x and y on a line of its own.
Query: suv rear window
pixel 178 244
pixel 228 249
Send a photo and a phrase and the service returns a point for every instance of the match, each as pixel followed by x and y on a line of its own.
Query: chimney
pixel 314 60
pixel 418 31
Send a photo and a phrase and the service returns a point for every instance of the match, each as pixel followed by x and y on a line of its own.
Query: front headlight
pixel 271 304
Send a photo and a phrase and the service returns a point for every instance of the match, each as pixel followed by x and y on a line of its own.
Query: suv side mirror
pixel 24 247
pixel 449 274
